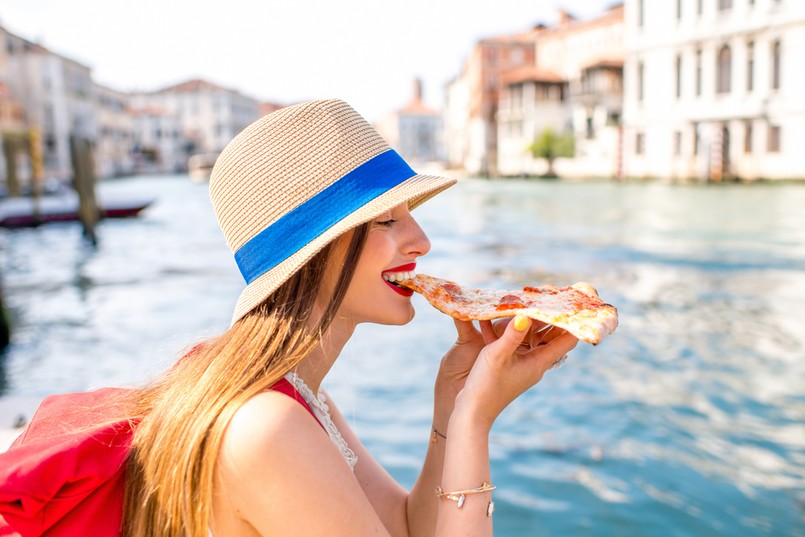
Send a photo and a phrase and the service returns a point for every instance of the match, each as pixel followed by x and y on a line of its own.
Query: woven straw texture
pixel 281 161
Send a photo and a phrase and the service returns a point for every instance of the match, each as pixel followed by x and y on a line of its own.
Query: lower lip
pixel 400 290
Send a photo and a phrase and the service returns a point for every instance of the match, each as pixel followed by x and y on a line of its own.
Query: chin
pixel 397 320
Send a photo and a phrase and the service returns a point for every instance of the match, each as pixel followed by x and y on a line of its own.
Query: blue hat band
pixel 299 227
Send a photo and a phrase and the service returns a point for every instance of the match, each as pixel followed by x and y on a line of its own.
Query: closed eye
pixel 386 223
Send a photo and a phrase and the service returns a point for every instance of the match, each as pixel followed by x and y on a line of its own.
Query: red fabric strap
pixel 284 386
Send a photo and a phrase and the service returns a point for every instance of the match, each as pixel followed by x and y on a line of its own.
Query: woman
pixel 237 439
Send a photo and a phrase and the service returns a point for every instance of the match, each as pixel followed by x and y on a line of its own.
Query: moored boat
pixel 63 207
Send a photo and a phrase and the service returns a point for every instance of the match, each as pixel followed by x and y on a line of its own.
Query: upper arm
pixel 280 474
pixel 388 498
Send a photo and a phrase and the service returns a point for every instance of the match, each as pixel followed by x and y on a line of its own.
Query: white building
pixel 714 89
pixel 209 115
pixel 574 88
pixel 531 101
pixel 415 131
pixel 114 148
pixel 158 146
pixel 56 95
pixel 456 123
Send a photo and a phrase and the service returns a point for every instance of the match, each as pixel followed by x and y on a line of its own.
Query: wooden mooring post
pixel 84 184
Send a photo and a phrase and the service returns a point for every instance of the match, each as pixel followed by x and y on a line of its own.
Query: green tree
pixel 551 146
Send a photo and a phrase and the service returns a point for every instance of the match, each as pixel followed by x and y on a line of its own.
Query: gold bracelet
pixel 434 436
pixel 460 495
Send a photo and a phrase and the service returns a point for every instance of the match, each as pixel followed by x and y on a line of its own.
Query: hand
pixel 458 362
pixel 504 370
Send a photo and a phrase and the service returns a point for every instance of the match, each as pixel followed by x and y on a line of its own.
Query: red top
pixel 64 476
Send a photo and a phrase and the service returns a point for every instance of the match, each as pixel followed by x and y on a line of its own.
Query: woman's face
pixel 395 241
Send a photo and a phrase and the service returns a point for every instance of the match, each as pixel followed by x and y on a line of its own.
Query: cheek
pixel 377 253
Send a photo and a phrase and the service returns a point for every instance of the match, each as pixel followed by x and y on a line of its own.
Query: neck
pixel 318 363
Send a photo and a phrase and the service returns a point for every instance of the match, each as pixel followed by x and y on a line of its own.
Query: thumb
pixel 514 334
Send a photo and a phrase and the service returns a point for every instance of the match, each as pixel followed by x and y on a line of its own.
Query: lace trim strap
pixel 322 412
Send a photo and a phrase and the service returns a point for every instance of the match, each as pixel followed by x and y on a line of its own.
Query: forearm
pixel 422 505
pixel 466 466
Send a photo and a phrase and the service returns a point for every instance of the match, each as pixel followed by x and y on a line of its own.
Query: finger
pixel 558 347
pixel 499 325
pixel 488 332
pixel 512 337
pixel 465 330
pixel 548 334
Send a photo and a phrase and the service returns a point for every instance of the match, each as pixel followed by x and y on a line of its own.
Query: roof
pixel 416 107
pixel 529 73
pixel 608 63
pixel 194 85
pixel 611 15
pixel 527 37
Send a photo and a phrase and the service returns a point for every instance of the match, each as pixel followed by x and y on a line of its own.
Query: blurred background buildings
pixel 681 90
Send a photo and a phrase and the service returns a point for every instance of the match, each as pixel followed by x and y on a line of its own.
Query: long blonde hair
pixel 184 414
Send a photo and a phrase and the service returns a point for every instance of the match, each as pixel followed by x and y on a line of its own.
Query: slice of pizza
pixel 576 308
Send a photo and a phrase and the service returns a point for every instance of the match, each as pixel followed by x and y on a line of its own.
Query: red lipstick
pixel 397 289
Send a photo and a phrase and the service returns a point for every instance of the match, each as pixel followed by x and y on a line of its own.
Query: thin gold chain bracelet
pixel 459 496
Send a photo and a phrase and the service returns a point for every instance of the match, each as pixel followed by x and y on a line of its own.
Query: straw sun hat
pixel 296 179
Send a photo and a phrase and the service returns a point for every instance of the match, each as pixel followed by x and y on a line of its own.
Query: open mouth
pixel 398 274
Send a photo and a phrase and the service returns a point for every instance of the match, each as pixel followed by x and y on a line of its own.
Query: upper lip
pixel 402 268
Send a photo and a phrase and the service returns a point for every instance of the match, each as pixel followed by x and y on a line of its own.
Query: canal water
pixel 689 420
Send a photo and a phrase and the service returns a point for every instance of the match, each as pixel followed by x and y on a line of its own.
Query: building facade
pixel 714 89
pixel 574 88
pixel 472 101
pixel 56 97
pixel 158 145
pixel 531 101
pixel 209 115
pixel 415 131
pixel 114 151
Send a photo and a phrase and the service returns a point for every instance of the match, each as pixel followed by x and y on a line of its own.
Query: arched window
pixel 724 70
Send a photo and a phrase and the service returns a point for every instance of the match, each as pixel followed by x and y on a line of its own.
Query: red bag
pixel 63 477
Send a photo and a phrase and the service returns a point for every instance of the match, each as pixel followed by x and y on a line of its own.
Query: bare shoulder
pixel 265 421
pixel 273 454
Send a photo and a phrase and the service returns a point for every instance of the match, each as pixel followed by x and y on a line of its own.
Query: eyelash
pixel 386 223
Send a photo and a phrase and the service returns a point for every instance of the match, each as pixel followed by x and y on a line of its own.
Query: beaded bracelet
pixel 459 496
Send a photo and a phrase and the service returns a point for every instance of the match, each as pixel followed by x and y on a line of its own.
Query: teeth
pixel 398 276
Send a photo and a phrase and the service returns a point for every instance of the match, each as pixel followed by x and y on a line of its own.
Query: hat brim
pixel 414 191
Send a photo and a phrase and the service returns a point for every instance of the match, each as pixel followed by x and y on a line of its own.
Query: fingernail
pixel 520 323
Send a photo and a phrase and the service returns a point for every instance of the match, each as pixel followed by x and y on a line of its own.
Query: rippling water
pixel 689 420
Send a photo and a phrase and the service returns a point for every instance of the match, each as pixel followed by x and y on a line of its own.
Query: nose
pixel 416 243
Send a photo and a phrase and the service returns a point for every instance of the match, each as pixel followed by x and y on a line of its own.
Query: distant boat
pixel 62 207
pixel 199 166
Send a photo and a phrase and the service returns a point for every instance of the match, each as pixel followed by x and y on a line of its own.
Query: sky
pixel 365 52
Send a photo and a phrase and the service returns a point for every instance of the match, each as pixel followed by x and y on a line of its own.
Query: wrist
pixel 444 400
pixel 466 420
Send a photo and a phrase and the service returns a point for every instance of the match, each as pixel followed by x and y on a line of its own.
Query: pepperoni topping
pixel 453 289
pixel 509 302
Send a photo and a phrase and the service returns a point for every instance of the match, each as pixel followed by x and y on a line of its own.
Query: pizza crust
pixel 576 308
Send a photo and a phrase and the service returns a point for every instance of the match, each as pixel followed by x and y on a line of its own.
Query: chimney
pixel 565 17
pixel 417 89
